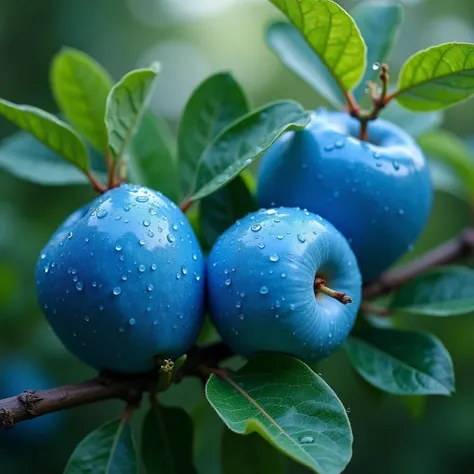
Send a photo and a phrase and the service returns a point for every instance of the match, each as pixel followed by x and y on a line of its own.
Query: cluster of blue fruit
pixel 124 280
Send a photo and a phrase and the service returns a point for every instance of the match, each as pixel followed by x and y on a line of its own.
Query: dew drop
pixel 241 316
pixel 274 258
pixel 79 285
pixel 283 275
pixel 184 270
pixel 280 237
pixel 86 318
pixel 124 277
pixel 117 290
pixel 375 66
pixel 118 248
pixel 101 213
pixel 228 282
pixel 238 304
pixel 153 267
pixel 306 440
pixel 301 238
pixel 256 227
pixel 131 321
pixel 142 242
pixel 171 238
pixel 94 284
pixel 261 246
pixel 141 268
pixel 194 256
pixel 121 329
pixel 141 198
pixel 146 223
pixel 339 143
pixel 263 290
pixel 150 287
pixel 69 236
pixel 329 148
pixel 175 227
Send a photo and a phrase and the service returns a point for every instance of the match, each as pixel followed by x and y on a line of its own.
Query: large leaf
pixel 152 157
pixel 378 25
pixel 80 86
pixel 26 158
pixel 437 77
pixel 250 455
pixel 415 123
pixel 450 150
pixel 125 106
pixel 167 441
pixel 221 209
pixel 284 401
pixel 295 52
pixel 215 104
pixel 447 291
pixel 333 36
pixel 49 130
pixel 245 140
pixel 401 362
pixel 109 449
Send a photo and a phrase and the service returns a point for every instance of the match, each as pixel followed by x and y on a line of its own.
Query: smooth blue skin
pixel 122 281
pixel 260 280
pixel 377 193
pixel 17 374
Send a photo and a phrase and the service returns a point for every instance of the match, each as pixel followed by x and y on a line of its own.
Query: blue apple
pixel 122 281
pixel 17 374
pixel 261 277
pixel 377 193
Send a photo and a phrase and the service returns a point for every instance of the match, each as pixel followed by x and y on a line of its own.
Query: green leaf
pixel 125 106
pixel 152 157
pixel 49 130
pixel 378 25
pixel 415 123
pixel 221 209
pixel 447 291
pixel 444 180
pixel 26 158
pixel 333 36
pixel 80 86
pixel 295 52
pixel 285 402
pixel 450 150
pixel 167 441
pixel 215 104
pixel 250 455
pixel 244 141
pixel 108 450
pixel 437 77
pixel 402 362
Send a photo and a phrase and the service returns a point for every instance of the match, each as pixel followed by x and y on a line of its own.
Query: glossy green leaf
pixel 437 77
pixel 250 455
pixel 450 150
pixel 49 130
pixel 80 86
pixel 152 157
pixel 285 402
pixel 109 449
pixel 167 441
pixel 378 24
pixel 447 291
pixel 221 209
pixel 332 35
pixel 125 106
pixel 415 123
pixel 26 158
pixel 244 141
pixel 295 52
pixel 402 362
pixel 214 105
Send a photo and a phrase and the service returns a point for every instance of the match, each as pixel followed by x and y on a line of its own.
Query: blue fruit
pixel 121 281
pixel 261 274
pixel 17 374
pixel 377 193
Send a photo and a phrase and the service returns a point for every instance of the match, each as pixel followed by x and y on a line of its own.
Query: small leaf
pixel 167 441
pixel 49 130
pixel 152 157
pixel 250 455
pixel 378 25
pixel 415 123
pixel 244 141
pixel 26 158
pixel 295 52
pixel 447 148
pixel 125 106
pixel 215 104
pixel 80 86
pixel 447 291
pixel 333 36
pixel 402 362
pixel 437 77
pixel 221 209
pixel 285 402
pixel 108 450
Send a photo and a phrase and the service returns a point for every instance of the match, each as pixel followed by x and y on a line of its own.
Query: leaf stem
pixel 320 285
pixel 98 186
pixel 185 205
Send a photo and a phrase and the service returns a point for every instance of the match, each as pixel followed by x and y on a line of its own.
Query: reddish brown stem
pixel 98 186
pixel 185 205
pixel 363 129
pixel 320 285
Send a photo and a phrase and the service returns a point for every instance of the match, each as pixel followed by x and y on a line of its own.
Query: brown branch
pixel 97 185
pixel 31 403
pixel 449 252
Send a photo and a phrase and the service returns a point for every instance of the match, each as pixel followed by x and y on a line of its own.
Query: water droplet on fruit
pixel 396 165
pixel 283 275
pixel 86 318
pixel 339 143
pixel 142 242
pixel 274 258
pixel 376 155
pixel 228 282
pixel 280 237
pixel 263 290
pixel 69 236
pixel 238 304
pixel 241 317
pixel 301 238
pixel 141 268
pixel 132 322
pixel 117 290
pixel 261 246
pixel 292 307
pixel 194 256
pixel 118 248
pixel 256 227
pixel 46 268
pixel 184 270
pixel 141 198
pixel 171 238
pixel 375 66
pixel 329 148
pixel 153 267
pixel 79 286
pixel 94 284
pixel 150 287
pixel 101 213
pixel 121 329
pixel 146 223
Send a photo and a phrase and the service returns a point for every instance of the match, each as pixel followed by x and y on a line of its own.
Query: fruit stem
pixel 320 285
pixel 98 186
pixel 185 205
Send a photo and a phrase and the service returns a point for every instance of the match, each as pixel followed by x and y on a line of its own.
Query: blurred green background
pixel 192 39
